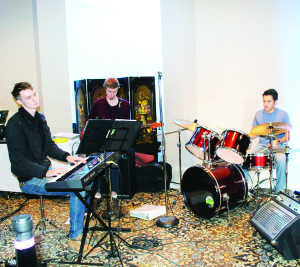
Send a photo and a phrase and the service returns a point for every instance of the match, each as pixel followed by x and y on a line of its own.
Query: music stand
pixel 101 136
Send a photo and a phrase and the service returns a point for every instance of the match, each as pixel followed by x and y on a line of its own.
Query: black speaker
pixel 150 177
pixel 278 221
pixel 127 176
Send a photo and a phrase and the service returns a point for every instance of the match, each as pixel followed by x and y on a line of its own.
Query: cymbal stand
pixel 286 169
pixel 164 221
pixel 272 137
pixel 258 186
pixel 179 148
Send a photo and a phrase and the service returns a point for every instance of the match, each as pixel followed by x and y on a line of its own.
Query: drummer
pixel 271 114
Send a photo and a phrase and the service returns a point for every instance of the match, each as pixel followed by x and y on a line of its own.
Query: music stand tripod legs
pixel 114 252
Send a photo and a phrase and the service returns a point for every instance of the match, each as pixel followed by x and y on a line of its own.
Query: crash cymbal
pixel 190 125
pixel 286 150
pixel 271 127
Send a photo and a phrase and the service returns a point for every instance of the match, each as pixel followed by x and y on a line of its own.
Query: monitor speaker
pixel 127 176
pixel 278 221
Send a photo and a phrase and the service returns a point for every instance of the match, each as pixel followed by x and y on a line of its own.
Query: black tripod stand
pixel 100 136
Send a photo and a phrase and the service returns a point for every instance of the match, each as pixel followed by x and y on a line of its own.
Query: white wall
pixel 17 49
pixel 226 54
pixel 113 38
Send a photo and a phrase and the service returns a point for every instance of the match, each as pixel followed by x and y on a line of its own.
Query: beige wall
pixel 219 57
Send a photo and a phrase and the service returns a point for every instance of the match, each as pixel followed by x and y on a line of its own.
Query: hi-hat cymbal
pixel 190 125
pixel 286 150
pixel 271 127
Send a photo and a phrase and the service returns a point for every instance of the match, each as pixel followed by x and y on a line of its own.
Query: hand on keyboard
pixel 56 172
pixel 75 159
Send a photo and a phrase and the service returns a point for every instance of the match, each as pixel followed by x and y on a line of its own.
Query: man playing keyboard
pixel 29 144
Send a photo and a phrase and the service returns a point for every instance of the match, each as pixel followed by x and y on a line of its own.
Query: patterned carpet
pixel 194 242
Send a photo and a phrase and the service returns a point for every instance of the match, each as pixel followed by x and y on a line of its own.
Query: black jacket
pixel 28 158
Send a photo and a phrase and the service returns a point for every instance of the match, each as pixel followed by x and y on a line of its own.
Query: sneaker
pixel 74 245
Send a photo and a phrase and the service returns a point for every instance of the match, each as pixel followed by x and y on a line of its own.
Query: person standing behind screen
pixel 271 114
pixel 111 107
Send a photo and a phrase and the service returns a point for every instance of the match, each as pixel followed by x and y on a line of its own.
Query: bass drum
pixel 206 190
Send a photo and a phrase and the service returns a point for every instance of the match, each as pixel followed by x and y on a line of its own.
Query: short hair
pixel 271 92
pixel 111 83
pixel 20 87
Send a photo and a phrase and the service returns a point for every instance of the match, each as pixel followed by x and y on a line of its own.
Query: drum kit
pixel 219 184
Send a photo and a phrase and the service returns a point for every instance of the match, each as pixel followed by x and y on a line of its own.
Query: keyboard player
pixel 29 144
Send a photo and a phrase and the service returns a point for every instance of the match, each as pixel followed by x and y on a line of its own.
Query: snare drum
pixel 197 145
pixel 233 147
pixel 207 190
pixel 258 161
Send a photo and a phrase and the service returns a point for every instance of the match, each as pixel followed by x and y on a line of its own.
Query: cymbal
pixel 190 125
pixel 271 127
pixel 286 150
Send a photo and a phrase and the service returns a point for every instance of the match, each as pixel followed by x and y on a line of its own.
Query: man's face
pixel 269 103
pixel 111 93
pixel 29 100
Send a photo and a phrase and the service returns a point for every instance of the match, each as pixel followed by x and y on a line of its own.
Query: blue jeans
pixel 36 186
pixel 280 160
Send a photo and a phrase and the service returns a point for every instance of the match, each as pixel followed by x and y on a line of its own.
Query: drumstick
pixel 263 150
pixel 220 128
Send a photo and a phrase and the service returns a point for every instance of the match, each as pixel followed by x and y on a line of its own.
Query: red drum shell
pixel 259 161
pixel 234 146
pixel 196 144
pixel 205 189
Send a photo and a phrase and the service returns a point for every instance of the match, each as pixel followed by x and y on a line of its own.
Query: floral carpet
pixel 193 242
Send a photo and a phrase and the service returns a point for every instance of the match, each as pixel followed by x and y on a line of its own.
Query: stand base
pixel 112 214
pixel 167 221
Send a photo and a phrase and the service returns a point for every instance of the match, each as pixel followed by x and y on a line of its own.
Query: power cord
pixel 145 243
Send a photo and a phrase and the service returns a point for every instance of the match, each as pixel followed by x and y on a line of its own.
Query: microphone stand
pixel 164 221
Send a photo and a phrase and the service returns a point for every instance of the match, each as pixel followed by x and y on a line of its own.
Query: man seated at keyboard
pixel 29 144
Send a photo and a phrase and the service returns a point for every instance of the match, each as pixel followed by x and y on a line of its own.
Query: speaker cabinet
pixel 278 221
pixel 150 177
pixel 127 185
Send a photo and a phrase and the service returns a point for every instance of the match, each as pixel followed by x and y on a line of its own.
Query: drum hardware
pixel 220 187
pixel 179 147
pixel 226 197
pixel 269 130
pixel 164 221
pixel 207 140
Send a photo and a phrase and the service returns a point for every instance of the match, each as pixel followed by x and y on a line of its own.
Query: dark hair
pixel 271 92
pixel 111 83
pixel 20 87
